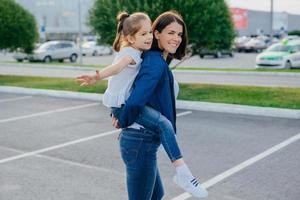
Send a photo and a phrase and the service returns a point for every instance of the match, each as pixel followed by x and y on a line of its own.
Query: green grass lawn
pixel 244 95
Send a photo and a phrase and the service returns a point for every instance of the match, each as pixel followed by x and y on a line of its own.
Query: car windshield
pixel 280 47
pixel 88 44
pixel 45 46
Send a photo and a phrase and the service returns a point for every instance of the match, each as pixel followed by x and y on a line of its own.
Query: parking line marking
pixel 69 162
pixel 242 165
pixel 32 153
pixel 57 146
pixel 184 113
pixel 47 112
pixel 15 99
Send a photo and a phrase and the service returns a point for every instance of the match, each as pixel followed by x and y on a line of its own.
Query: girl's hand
pixel 114 122
pixel 86 80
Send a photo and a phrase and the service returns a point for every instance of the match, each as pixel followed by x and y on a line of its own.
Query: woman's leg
pixel 138 150
pixel 158 191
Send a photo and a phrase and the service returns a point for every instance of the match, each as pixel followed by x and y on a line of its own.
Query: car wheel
pixel 20 60
pixel 73 58
pixel 95 53
pixel 47 59
pixel 288 65
pixel 201 56
pixel 218 54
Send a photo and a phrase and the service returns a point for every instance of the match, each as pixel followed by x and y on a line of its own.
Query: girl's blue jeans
pixel 138 151
pixel 155 121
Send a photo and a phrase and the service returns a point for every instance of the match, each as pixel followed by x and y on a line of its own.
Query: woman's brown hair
pixel 128 25
pixel 160 23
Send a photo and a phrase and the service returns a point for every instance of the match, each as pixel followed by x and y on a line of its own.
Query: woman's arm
pixel 106 72
pixel 144 86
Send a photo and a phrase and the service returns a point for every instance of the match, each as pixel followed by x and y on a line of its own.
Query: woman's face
pixel 170 38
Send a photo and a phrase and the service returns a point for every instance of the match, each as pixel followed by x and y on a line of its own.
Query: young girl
pixel 134 35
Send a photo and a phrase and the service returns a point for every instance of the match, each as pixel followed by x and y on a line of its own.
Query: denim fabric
pixel 155 121
pixel 154 87
pixel 115 112
pixel 138 151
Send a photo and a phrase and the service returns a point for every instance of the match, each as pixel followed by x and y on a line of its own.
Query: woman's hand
pixel 114 122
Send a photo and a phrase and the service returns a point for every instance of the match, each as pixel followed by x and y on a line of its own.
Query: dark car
pixel 215 53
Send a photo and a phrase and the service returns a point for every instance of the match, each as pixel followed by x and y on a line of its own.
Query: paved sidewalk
pixel 270 79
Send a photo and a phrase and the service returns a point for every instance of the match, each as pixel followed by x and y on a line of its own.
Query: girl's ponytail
pixel 118 40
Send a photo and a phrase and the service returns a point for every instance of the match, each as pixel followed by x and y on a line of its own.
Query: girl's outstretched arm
pixel 108 71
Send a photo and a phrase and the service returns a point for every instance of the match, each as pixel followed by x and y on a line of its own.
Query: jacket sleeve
pixel 144 86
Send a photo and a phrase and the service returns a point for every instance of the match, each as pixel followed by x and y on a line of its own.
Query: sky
pixel 290 6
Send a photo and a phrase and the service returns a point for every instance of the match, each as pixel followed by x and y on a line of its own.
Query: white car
pixel 281 55
pixel 255 45
pixel 55 50
pixel 20 56
pixel 92 49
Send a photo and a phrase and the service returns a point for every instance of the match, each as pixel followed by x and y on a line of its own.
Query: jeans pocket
pixel 130 148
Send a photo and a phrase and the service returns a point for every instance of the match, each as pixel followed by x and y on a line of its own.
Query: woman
pixel 153 86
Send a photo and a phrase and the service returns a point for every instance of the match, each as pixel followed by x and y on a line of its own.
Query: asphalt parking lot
pixel 54 148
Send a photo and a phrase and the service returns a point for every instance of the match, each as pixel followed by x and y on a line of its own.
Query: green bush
pixel 18 27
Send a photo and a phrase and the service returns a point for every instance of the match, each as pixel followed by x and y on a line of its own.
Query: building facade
pixel 59 19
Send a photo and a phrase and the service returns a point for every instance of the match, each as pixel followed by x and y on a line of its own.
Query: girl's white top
pixel 119 85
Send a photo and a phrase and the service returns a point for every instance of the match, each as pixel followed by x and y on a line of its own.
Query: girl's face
pixel 170 38
pixel 142 40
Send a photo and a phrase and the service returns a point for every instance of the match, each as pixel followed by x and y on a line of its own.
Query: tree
pixel 208 22
pixel 18 27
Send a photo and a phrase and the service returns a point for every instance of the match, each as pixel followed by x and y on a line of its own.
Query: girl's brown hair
pixel 160 23
pixel 128 25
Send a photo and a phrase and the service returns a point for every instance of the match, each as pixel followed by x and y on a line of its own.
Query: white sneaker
pixel 191 186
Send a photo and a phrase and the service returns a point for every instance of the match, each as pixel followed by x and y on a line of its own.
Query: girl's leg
pixel 155 121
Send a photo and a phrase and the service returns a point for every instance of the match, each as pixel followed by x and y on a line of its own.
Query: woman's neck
pixel 165 55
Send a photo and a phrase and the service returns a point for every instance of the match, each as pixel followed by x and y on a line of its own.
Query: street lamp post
pixel 80 32
pixel 271 21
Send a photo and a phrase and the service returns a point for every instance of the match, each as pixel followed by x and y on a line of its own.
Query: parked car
pixel 91 48
pixel 19 55
pixel 55 50
pixel 281 55
pixel 215 53
pixel 239 43
pixel 291 37
pixel 255 45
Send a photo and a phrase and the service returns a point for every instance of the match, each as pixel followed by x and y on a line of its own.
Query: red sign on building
pixel 239 17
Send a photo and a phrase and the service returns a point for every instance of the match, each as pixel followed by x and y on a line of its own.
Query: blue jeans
pixel 138 151
pixel 155 121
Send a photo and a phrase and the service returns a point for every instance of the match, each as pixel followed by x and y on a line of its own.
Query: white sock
pixel 184 171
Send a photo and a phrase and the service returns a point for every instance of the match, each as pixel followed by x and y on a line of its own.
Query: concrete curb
pixel 190 105
pixel 238 73
pixel 43 66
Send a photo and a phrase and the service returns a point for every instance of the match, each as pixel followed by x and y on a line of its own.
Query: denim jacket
pixel 153 87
